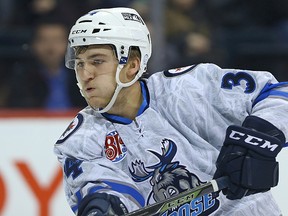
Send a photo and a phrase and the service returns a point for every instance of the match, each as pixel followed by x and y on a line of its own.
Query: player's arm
pixel 98 186
pixel 248 157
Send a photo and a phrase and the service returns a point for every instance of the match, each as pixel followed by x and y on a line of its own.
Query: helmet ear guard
pixel 123 28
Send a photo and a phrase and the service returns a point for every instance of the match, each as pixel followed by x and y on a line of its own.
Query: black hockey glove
pixel 248 157
pixel 101 204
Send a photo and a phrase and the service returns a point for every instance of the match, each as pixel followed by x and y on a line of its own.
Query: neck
pixel 128 102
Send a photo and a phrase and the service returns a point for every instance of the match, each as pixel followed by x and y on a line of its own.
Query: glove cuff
pixel 263 126
pixel 255 177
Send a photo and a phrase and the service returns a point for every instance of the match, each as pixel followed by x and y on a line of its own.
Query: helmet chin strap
pixel 118 88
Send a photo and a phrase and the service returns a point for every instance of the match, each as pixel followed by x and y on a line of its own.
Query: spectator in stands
pixel 253 34
pixel 44 82
pixel 188 32
pixel 31 84
pixel 26 12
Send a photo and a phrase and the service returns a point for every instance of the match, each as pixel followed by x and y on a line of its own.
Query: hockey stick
pixel 159 208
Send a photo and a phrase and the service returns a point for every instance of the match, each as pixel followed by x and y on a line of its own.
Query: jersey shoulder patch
pixel 178 71
pixel 72 128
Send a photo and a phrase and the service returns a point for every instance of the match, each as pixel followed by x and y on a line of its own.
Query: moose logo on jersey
pixel 169 178
pixel 115 149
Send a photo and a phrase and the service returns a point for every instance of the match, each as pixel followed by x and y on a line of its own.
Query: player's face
pixel 95 70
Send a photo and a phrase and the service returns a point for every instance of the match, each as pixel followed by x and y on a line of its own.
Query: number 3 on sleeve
pixel 230 80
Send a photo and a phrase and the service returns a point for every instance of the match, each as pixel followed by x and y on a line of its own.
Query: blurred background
pixel 241 34
pixel 39 96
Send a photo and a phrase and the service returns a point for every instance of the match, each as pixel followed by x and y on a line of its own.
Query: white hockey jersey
pixel 173 143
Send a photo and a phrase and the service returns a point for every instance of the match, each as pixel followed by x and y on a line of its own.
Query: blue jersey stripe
pixel 124 189
pixel 79 199
pixel 270 90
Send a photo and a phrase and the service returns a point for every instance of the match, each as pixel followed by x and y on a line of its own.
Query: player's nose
pixel 86 74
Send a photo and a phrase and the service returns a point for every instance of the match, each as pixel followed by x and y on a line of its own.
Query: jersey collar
pixel 143 107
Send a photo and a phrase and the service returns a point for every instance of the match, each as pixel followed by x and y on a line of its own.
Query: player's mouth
pixel 89 90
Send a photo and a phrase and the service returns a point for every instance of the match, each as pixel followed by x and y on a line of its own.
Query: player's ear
pixel 133 66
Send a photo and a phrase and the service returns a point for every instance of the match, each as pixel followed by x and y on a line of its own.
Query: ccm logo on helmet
pixel 79 31
pixel 252 140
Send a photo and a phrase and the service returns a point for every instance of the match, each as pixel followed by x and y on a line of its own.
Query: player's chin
pixel 96 102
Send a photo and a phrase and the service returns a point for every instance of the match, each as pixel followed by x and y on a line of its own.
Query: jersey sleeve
pixel 206 99
pixel 253 93
pixel 272 104
pixel 86 170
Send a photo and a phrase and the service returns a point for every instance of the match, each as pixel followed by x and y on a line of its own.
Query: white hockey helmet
pixel 121 27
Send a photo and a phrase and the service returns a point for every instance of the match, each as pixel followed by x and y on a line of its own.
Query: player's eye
pixel 96 61
pixel 79 64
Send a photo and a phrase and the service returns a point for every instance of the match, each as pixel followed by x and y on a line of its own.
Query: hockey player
pixel 140 141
